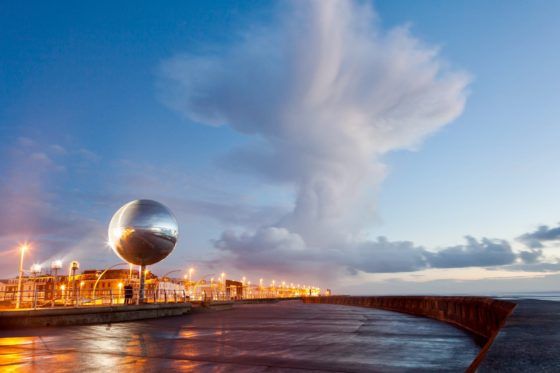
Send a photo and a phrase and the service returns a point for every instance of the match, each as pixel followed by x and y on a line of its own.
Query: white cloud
pixel 328 93
pixel 325 92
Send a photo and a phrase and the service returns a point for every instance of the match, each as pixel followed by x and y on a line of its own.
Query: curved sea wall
pixel 481 316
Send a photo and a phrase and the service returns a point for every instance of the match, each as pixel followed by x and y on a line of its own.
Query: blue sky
pixel 86 126
pixel 492 170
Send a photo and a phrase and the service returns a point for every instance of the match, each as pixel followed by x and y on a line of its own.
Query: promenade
pixel 285 336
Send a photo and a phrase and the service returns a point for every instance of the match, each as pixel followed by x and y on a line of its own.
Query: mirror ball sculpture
pixel 143 232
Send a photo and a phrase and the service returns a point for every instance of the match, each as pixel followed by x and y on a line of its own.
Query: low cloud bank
pixel 285 251
pixel 541 236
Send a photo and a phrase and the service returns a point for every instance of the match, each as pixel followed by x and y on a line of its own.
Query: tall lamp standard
pixel 191 270
pixel 22 249
pixel 55 266
pixel 223 276
pixel 74 266
pixel 35 271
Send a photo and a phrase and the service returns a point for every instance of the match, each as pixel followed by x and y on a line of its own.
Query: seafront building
pixel 98 287
pixel 89 287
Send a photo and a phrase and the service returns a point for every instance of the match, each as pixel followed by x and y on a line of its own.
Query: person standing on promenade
pixel 128 294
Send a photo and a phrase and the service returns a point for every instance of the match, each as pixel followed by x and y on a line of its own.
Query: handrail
pixel 175 270
pixel 101 275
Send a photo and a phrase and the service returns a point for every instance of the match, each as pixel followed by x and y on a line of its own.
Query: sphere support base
pixel 141 291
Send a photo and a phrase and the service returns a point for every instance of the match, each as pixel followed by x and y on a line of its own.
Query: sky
pixel 368 147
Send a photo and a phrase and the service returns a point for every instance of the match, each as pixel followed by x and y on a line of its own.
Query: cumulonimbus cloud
pixel 326 92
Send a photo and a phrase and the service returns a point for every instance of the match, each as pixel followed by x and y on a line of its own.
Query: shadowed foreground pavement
pixel 287 336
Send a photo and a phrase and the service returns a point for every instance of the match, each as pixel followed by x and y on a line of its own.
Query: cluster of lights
pixel 35 269
pixel 281 286
pixel 74 266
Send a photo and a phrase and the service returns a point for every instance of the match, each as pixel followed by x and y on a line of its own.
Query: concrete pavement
pixel 287 336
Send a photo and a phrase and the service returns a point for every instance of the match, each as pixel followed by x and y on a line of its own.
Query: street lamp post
pixel 191 270
pixel 55 266
pixel 222 276
pixel 35 271
pixel 22 250
pixel 74 266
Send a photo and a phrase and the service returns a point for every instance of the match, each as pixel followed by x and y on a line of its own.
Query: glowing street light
pixel 119 285
pixel 35 269
pixel 74 266
pixel 55 266
pixel 223 282
pixel 22 249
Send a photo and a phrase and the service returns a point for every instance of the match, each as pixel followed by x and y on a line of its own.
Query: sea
pixel 544 295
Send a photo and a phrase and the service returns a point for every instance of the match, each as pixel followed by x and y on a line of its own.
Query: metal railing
pixel 69 294
pixel 34 298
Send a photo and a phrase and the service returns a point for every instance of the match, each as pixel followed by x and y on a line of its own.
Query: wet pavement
pixel 287 336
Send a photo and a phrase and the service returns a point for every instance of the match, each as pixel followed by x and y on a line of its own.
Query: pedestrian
pixel 128 294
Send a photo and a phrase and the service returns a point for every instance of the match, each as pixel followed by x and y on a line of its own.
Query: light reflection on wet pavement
pixel 287 336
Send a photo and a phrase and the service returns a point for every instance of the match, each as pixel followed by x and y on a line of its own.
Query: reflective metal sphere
pixel 143 232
